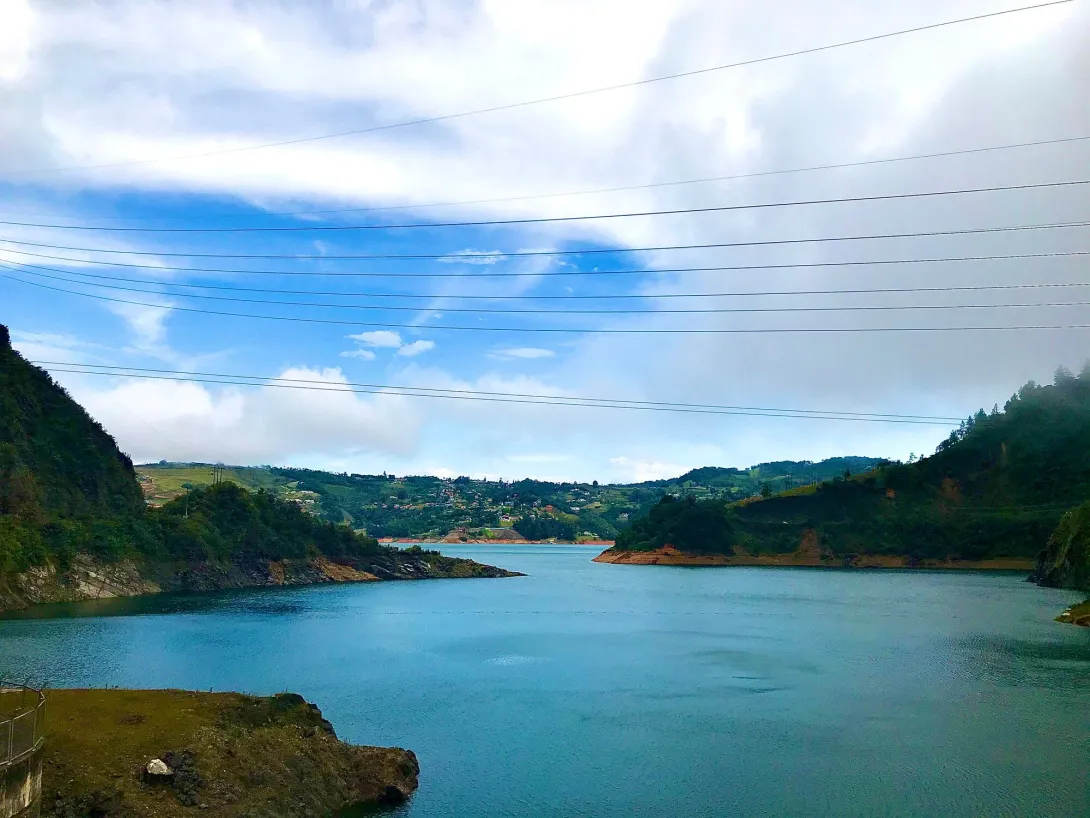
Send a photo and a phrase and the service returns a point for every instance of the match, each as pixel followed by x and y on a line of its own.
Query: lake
pixel 601 690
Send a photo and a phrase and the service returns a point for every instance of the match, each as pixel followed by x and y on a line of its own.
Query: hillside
pixel 74 524
pixel 996 488
pixel 432 507
pixel 60 471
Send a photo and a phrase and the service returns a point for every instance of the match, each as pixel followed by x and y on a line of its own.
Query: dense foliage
pixel 228 523
pixel 544 527
pixel 389 506
pixel 997 486
pixel 1065 562
pixel 686 524
pixel 65 488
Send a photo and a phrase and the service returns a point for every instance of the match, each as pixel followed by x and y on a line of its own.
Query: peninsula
pixel 1002 492
pixel 74 524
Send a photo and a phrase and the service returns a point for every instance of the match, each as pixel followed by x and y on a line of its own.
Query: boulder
pixel 158 771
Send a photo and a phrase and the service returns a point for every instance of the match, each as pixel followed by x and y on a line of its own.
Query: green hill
pixel 998 487
pixel 423 507
pixel 63 481
pixel 73 521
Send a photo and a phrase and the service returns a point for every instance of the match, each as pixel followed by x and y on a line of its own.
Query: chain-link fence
pixel 22 721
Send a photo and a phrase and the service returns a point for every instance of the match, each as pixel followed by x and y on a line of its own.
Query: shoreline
pixel 672 557
pixel 86 578
pixel 489 541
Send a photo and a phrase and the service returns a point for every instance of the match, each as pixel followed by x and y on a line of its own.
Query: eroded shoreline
pixel 671 556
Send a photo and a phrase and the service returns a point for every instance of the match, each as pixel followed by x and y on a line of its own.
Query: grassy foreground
pixel 232 755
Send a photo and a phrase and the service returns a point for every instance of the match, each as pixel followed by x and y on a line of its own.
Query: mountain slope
pixel 73 523
pixel 997 487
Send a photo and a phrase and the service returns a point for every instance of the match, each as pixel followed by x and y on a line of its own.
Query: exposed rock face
pixel 87 578
pixel 808 555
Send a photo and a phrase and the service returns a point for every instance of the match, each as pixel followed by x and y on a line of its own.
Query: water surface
pixel 601 690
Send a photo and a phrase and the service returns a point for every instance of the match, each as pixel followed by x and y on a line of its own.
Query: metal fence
pixel 22 721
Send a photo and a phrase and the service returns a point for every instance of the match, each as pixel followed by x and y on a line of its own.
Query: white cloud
pixel 416 348
pixel 147 323
pixel 161 86
pixel 471 256
pixel 362 354
pixel 387 339
pixel 527 353
pixel 380 338
pixel 191 421
pixel 16 38
pixel 629 470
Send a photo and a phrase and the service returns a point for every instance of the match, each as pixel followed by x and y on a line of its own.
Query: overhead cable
pixel 594 191
pixel 570 330
pixel 572 296
pixel 336 388
pixel 265 378
pixel 554 98
pixel 311 228
pixel 456 255
pixel 612 311
pixel 545 273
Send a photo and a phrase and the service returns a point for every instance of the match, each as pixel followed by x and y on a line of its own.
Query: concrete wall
pixel 21 786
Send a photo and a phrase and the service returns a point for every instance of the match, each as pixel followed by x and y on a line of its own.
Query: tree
pixel 766 490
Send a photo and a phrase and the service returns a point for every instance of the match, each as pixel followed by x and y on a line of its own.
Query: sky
pixel 145 115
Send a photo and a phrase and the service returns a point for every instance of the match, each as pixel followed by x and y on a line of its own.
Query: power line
pixel 458 256
pixel 619 189
pixel 555 98
pixel 263 379
pixel 492 310
pixel 572 296
pixel 554 273
pixel 387 391
pixel 310 228
pixel 593 330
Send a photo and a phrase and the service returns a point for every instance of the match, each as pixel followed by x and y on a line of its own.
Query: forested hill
pixel 433 507
pixel 997 486
pixel 55 461
pixel 70 502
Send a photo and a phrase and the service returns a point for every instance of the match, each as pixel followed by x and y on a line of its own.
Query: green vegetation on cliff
pixel 997 487
pixel 1065 562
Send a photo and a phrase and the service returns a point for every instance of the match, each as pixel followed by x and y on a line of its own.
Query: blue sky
pixel 84 86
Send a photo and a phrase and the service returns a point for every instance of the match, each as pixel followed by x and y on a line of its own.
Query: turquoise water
pixel 600 690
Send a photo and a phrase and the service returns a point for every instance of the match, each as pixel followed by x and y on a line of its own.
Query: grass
pixel 168 482
pixel 233 755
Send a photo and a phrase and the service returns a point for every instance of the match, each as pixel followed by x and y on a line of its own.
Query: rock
pixel 393 795
pixel 157 770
